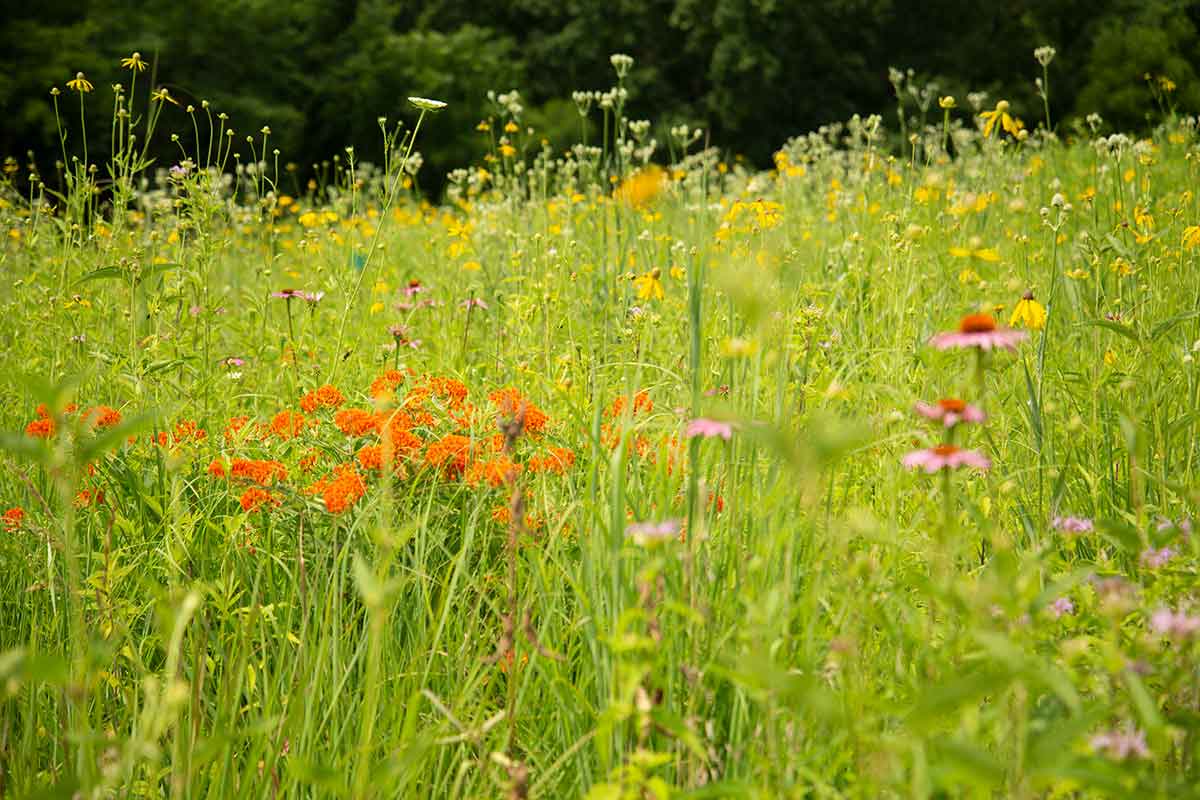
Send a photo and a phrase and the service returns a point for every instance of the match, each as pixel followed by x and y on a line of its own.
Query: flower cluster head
pixel 1120 745
pixel 326 396
pixel 650 533
pixel 950 411
pixel 1175 624
pixel 979 331
pixel 13 518
pixel 1072 524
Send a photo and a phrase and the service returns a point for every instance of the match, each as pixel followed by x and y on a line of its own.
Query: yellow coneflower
pixel 163 95
pixel 1028 313
pixel 1000 116
pixel 642 187
pixel 649 286
pixel 80 84
pixel 134 63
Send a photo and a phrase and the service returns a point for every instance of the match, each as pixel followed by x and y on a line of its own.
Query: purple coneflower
pixel 709 428
pixel 1072 524
pixel 646 533
pixel 474 302
pixel 1120 745
pixel 979 330
pixel 950 411
pixel 1175 624
pixel 312 298
pixel 414 287
pixel 946 456
pixel 287 294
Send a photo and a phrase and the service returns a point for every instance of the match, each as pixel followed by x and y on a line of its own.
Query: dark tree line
pixel 754 72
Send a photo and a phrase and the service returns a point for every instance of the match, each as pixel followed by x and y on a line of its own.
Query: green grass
pixel 829 623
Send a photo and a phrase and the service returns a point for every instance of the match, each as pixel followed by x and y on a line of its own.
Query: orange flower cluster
pixel 264 473
pixel 610 432
pixel 13 518
pixel 288 424
pixel 510 402
pixel 494 472
pixel 341 490
pixel 386 383
pixel 255 498
pixel 324 397
pixel 98 418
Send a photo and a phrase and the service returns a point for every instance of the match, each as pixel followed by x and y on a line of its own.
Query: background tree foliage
pixel 753 72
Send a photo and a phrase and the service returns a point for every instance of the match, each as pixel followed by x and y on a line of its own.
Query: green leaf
pixel 1168 324
pixel 941 701
pixel 102 274
pixel 969 762
pixel 1143 703
pixel 25 448
pixel 1116 327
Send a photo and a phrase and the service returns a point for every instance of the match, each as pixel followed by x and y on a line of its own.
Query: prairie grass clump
pixel 621 473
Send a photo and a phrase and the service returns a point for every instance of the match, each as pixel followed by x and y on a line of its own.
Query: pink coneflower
pixel 950 411
pixel 1062 607
pixel 946 456
pixel 1175 624
pixel 645 533
pixel 288 294
pixel 1153 559
pixel 1120 745
pixel 709 428
pixel 979 330
pixel 474 302
pixel 414 287
pixel 312 298
pixel 1072 524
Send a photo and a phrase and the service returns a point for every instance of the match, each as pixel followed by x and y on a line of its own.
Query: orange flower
pixel 510 402
pixel 264 473
pixel 496 472
pixel 326 396
pixel 309 460
pixel 450 453
pixel 254 498
pixel 288 424
pixel 343 490
pixel 370 456
pixel 386 383
pixel 13 518
pixel 235 426
pixel 216 468
pixel 102 417
pixel 88 497
pixel 558 461
pixel 42 428
pixel 642 404
pixel 185 429
pixel 355 422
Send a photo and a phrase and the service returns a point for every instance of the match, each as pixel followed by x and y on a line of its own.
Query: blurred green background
pixel 754 72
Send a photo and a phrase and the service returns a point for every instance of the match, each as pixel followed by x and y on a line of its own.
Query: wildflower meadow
pixel 616 472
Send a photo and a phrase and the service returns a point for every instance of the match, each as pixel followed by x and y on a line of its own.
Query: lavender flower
pixel 1153 559
pixel 1062 607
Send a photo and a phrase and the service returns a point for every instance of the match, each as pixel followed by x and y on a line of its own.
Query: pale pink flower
pixel 709 428
pixel 946 456
pixel 950 411
pixel 979 330
pixel 1175 624
pixel 646 533
pixel 474 302
pixel 414 287
pixel 1120 745
pixel 1072 524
